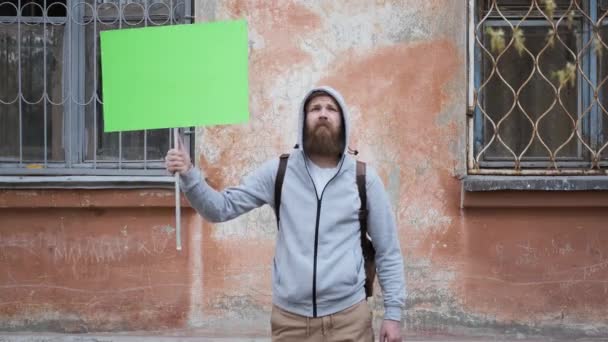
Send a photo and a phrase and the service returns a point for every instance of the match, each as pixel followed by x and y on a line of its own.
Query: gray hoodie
pixel 318 263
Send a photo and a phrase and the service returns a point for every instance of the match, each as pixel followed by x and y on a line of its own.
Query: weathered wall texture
pixel 401 67
pixel 78 261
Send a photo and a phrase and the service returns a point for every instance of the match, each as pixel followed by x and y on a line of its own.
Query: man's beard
pixel 323 141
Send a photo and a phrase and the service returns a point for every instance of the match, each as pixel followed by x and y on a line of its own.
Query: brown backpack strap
pixel 278 184
pixel 362 196
pixel 369 253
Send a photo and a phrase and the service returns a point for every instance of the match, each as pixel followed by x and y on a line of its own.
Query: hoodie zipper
pixel 319 200
pixel 314 268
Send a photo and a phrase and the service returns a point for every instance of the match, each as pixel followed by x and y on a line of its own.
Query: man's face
pixel 323 127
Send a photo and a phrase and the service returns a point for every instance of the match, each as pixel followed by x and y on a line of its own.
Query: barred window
pixel 538 74
pixel 51 113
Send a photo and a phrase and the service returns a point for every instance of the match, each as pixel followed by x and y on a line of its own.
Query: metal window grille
pixel 538 87
pixel 51 114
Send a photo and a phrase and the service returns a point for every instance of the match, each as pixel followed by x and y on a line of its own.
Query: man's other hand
pixel 390 331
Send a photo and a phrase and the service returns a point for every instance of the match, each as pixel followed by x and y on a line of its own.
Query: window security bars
pixel 538 82
pixel 51 105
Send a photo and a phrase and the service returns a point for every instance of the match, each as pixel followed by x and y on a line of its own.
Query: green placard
pixel 175 76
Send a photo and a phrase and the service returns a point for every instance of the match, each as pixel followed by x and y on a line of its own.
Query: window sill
pixel 88 192
pixel 86 182
pixel 534 192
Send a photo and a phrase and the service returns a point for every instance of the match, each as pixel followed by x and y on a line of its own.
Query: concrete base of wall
pixel 42 337
pixel 192 336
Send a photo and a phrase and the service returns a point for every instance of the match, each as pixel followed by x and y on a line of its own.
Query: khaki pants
pixel 353 324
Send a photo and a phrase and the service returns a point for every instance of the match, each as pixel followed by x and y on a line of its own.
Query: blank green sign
pixel 175 76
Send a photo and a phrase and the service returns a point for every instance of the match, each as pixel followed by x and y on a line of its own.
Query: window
pixel 538 75
pixel 51 115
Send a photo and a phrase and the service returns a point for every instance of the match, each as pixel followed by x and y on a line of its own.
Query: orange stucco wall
pixel 91 260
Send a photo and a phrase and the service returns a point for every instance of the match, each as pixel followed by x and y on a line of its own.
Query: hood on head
pixel 343 109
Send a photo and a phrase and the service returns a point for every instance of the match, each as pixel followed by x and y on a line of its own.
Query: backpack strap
pixel 278 184
pixel 369 253
pixel 362 196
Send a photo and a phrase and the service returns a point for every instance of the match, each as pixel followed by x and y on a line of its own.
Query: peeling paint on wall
pixel 401 66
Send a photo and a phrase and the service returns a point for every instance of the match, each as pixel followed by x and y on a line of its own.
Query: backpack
pixel 369 253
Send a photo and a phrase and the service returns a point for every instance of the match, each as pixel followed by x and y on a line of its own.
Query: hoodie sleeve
pixel 383 232
pixel 255 190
